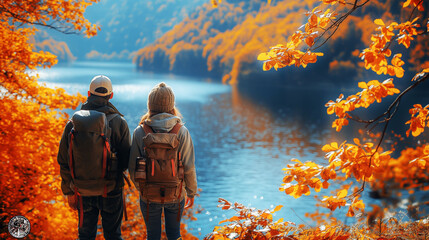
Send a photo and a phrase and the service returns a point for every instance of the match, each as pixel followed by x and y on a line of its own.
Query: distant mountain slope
pixel 126 26
pixel 224 42
pixel 181 50
pixel 44 42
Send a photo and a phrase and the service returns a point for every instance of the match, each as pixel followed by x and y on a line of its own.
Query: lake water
pixel 242 140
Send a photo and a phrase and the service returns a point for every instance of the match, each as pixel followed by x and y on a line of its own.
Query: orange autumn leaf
pixel 397 64
pixel 355 206
pixel 287 55
pixel 419 119
pixel 215 3
pixel 332 2
pixel 251 223
pixel 372 91
pixel 414 3
pixel 379 22
pixel 333 203
pixel 342 193
pixel 330 147
pixel 420 74
pixel 277 208
pixel 376 55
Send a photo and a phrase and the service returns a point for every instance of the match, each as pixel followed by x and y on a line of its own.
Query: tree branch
pixel 336 24
pixel 414 9
pixel 395 104
pixel 62 29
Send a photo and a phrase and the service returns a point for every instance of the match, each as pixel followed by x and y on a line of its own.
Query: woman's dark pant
pixel 153 222
pixel 111 210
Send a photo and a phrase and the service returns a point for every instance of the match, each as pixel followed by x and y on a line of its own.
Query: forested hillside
pixel 224 42
pixel 126 26
pixel 195 38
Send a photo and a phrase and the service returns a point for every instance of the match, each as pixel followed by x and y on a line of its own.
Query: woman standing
pixel 162 164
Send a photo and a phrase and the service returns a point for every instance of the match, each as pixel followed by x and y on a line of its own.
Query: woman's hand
pixel 189 202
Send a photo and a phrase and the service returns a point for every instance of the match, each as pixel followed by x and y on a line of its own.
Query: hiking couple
pixel 96 149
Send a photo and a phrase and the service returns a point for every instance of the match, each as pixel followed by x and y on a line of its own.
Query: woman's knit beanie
pixel 161 98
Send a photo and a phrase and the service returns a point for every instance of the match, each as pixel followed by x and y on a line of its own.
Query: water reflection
pixel 241 146
pixel 272 131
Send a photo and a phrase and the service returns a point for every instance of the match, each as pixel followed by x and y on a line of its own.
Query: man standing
pixel 93 153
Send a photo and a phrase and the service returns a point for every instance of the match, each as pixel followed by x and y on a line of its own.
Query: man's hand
pixel 189 202
pixel 72 201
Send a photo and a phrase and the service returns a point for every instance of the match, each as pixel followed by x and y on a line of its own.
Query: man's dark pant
pixel 153 222
pixel 111 210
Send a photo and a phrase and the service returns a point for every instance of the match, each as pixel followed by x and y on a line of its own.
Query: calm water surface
pixel 241 146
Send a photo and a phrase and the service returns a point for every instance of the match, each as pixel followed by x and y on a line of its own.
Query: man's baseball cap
pixel 100 86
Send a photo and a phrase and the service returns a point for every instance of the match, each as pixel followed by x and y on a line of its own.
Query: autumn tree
pixel 367 161
pixel 31 120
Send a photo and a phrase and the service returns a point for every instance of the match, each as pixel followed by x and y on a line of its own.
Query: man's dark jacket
pixel 120 141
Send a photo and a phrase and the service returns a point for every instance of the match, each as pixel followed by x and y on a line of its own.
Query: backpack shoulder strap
pixel 176 128
pixel 111 116
pixel 146 128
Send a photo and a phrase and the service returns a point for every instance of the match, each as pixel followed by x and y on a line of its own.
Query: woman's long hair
pixel 150 113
